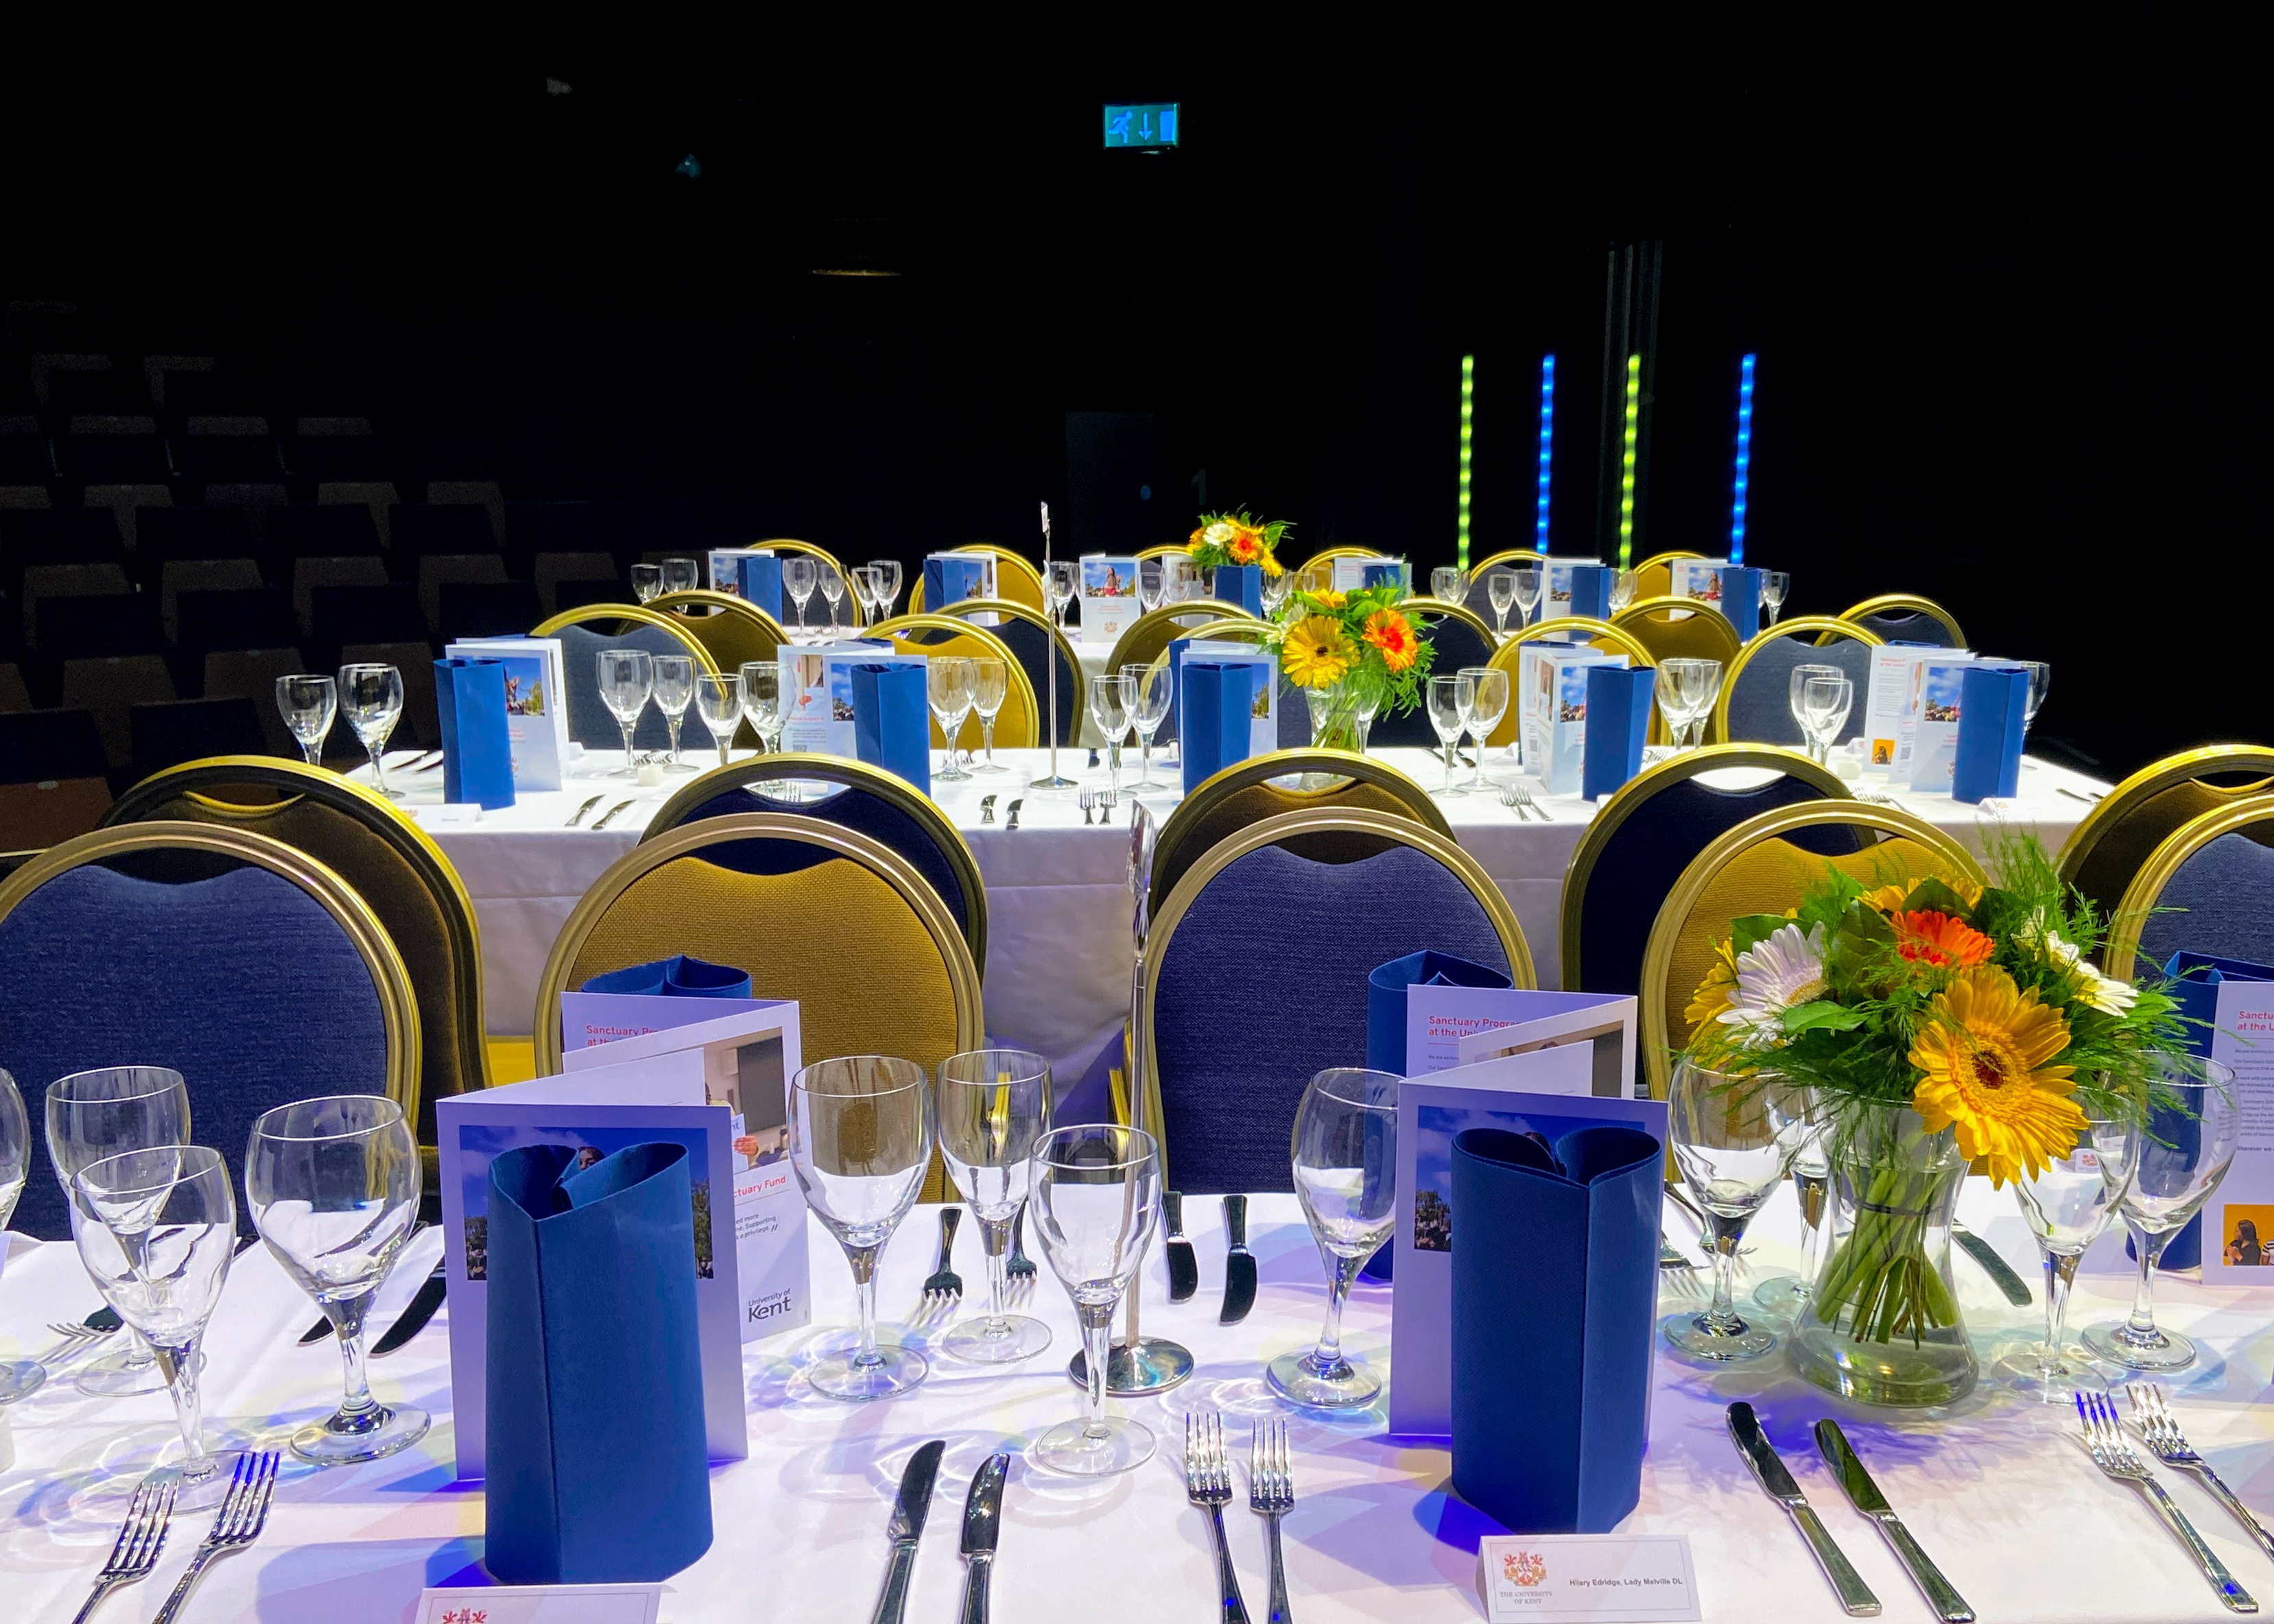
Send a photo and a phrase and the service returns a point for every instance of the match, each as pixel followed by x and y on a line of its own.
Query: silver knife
pixel 601 822
pixel 909 1509
pixel 322 1328
pixel 987 808
pixel 1865 1494
pixel 1013 821
pixel 982 1524
pixel 413 1319
pixel 587 807
pixel 1183 1269
pixel 1855 1597
pixel 2003 1277
pixel 1238 1263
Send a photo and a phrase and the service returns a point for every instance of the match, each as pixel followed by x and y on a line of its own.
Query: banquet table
pixel 1058 900
pixel 1996 1489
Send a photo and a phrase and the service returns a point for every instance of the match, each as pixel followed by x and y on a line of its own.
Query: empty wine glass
pixel 860 1141
pixel 1152 579
pixel 1488 705
pixel 95 1115
pixel 1150 693
pixel 1686 689
pixel 1622 590
pixel 156 1230
pixel 832 593
pixel 2041 678
pixel 647 581
pixel 1451 698
pixel 866 589
pixel 1063 582
pixel 1275 589
pixel 1447 584
pixel 1794 683
pixel 799 578
pixel 371 696
pixel 1733 1137
pixel 719 701
pixel 308 705
pixel 680 575
pixel 994 1103
pixel 1095 1199
pixel 990 687
pixel 1182 579
pixel 1825 702
pixel 1774 583
pixel 627 679
pixel 888 585
pixel 1500 592
pixel 2067 1205
pixel 1109 708
pixel 767 695
pixel 1345 1155
pixel 2192 1129
pixel 333 1184
pixel 1531 580
pixel 948 683
pixel 674 686
pixel 19 1378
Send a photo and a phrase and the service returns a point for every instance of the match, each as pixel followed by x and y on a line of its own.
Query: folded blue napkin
pixel 476 742
pixel 1389 572
pixel 1554 1297
pixel 596 1472
pixel 1212 732
pixel 1741 600
pixel 1239 584
pixel 1618 718
pixel 891 728
pixel 1590 591
pixel 951 580
pixel 1986 760
pixel 678 976
pixel 761 584
pixel 1385 998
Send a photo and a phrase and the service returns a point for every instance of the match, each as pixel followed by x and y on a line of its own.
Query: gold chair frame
pixel 1664 561
pixel 2188 766
pixel 637 615
pixel 1908 603
pixel 1799 626
pixel 1443 611
pixel 1512 555
pixel 2123 944
pixel 1032 617
pixel 1146 626
pixel 1020 565
pixel 1015 674
pixel 1508 655
pixel 718 603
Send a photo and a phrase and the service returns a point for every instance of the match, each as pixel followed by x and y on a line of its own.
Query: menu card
pixel 951 577
pixel 1888 692
pixel 1697 578
pixel 1926 737
pixel 818 683
pixel 1551 710
pixel 536 708
pixel 725 565
pixel 1557 601
pixel 1110 604
pixel 2241 1246
pixel 1351 574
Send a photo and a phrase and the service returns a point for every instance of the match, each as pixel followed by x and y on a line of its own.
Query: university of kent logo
pixel 1523 1569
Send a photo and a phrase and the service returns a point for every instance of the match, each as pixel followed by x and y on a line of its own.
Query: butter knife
pixel 983 1525
pixel 413 1320
pixel 908 1508
pixel 587 807
pixel 1855 1597
pixel 987 808
pixel 1238 1263
pixel 2003 1277
pixel 1865 1495
pixel 602 821
pixel 1013 821
pixel 1184 1268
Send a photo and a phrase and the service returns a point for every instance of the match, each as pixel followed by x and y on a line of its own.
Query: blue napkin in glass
pixel 1385 998
pixel 1741 600
pixel 1213 732
pixel 1239 584
pixel 1590 591
pixel 951 580
pixel 1986 760
pixel 477 745
pixel 761 584
pixel 1618 718
pixel 891 728
pixel 1389 572
pixel 678 976
pixel 1554 1303
pixel 596 1468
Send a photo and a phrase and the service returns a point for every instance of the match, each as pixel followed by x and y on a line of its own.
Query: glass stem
pixel 1448 766
pixel 2061 1269
pixel 1097 1347
pixel 627 726
pixel 995 1236
pixel 378 772
pixel 2141 1329
pixel 178 1363
pixel 987 737
pixel 1144 758
pixel 346 1319
pixel 1328 1358
pixel 1478 781
pixel 1813 1189
pixel 309 751
pixel 674 718
pixel 1726 1234
pixel 722 748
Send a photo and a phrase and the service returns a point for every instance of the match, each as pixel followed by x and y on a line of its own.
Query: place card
pixel 448 814
pixel 545 1603
pixel 1604 1578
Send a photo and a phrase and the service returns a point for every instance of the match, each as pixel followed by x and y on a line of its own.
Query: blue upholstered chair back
pixel 1233 1049
pixel 1455 644
pixel 1912 628
pixel 1034 649
pixel 2227 892
pixel 590 723
pixel 1760 705
pixel 243 983
pixel 850 808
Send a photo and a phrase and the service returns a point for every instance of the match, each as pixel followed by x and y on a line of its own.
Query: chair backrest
pixel 1018 725
pixel 1294 709
pixel 393 865
pixel 1457 638
pixel 1762 867
pixel 2214 874
pixel 1755 704
pixel 2114 843
pixel 1250 791
pixel 1326 556
pixel 735 630
pixel 1602 634
pixel 251 968
pixel 634 626
pixel 1016 580
pixel 1680 628
pixel 1224 1056
pixel 1654 576
pixel 1027 633
pixel 1638 843
pixel 1900 617
pixel 1149 633
pixel 867 800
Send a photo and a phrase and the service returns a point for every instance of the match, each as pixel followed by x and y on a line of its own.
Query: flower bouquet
pixel 1354 654
pixel 1237 539
pixel 1934 1024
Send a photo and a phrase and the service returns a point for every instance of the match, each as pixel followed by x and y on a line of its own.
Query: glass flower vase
pixel 1335 717
pixel 1882 1325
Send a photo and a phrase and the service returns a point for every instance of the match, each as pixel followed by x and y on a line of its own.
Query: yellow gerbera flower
pixel 1714 993
pixel 1272 567
pixel 1982 1064
pixel 1330 600
pixel 1316 654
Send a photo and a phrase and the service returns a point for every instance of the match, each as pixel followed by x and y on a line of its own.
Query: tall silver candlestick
pixel 1050 659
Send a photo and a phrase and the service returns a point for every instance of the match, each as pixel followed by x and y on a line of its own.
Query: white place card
pixel 1604 1578
pixel 542 1604
pixel 448 814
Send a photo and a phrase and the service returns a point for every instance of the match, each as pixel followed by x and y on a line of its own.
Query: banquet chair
pixel 1175 549
pixel 1248 792
pixel 733 630
pixel 2114 843
pixel 1654 576
pixel 1638 843
pixel 1564 628
pixel 590 723
pixel 1899 617
pixel 1016 580
pixel 1328 555
pixel 1018 725
pixel 1149 633
pixel 394 865
pixel 1294 709
pixel 1027 633
pixel 1755 703
pixel 1680 628
pixel 1459 638
pixel 1764 866
pixel 1223 1052
pixel 865 799
pixel 2208 888
pixel 245 965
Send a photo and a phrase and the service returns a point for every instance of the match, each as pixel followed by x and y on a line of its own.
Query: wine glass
pixel 308 705
pixel 674 686
pixel 832 593
pixel 719 701
pixel 1152 580
pixel 627 678
pixel 1182 579
pixel 1109 707
pixel 1095 1199
pixel 20 1377
pixel 1150 693
pixel 948 683
pixel 2041 678
pixel 994 1103
pixel 1774 583
pixel 767 694
pixel 1345 1153
pixel 1734 1138
pixel 860 1140
pixel 888 582
pixel 2067 1205
pixel 1692 685
pixel 156 1230
pixel 1451 699
pixel 1447 584
pixel 98 1114
pixel 1063 582
pixel 1794 683
pixel 799 577
pixel 647 581
pixel 1500 590
pixel 1622 590
pixel 1811 1182
pixel 991 681
pixel 1825 702
pixel 1275 589
pixel 680 575
pixel 865 589
pixel 1489 688
pixel 372 697
pixel 1531 580
pixel 333 1188
pixel 2192 1129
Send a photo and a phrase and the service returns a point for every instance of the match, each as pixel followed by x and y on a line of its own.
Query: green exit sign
pixel 1144 124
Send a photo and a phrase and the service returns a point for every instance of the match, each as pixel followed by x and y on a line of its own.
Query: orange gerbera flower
pixel 1938 940
pixel 1245 547
pixel 1393 633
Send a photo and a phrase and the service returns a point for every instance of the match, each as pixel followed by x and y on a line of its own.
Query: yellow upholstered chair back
pixel 1680 628
pixel 1906 603
pixel 1015 579
pixel 2109 848
pixel 631 614
pixel 1149 633
pixel 2251 817
pixel 971 608
pixel 1604 634
pixel 1018 725
pixel 1654 576
pixel 1757 869
pixel 733 630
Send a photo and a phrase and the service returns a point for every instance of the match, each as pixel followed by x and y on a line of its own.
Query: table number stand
pixel 1052 780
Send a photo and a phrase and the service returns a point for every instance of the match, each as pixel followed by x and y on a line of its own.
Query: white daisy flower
pixel 2104 993
pixel 1217 535
pixel 1782 971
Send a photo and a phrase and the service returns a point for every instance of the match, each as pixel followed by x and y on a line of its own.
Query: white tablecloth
pixel 2008 1507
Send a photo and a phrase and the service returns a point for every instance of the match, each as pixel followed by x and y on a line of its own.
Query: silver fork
pixel 945 1289
pixel 140 1538
pixel 244 1512
pixel 1085 799
pixel 2153 1420
pixel 1508 798
pixel 75 1334
pixel 1524 799
pixel 1019 1270
pixel 1207 1484
pixel 1271 1496
pixel 587 807
pixel 2104 1437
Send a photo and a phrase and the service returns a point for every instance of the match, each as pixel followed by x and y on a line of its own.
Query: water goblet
pixel 19 1378
pixel 371 696
pixel 333 1184
pixel 1490 704
pixel 769 692
pixel 308 705
pixel 888 585
pixel 1345 1155
pixel 1448 585
pixel 865 590
pixel 832 593
pixel 1152 579
pixel 1109 707
pixel 2041 678
pixel 1825 702
pixel 948 683
pixel 1733 1137
pixel 991 686
pixel 1500 593
pixel 1451 700
pixel 1094 1201
pixel 719 701
pixel 674 687
pixel 647 581
pixel 2192 1131
pixel 680 575
pixel 1622 590
pixel 1774 583
pixel 2067 1204
pixel 1150 693
pixel 860 1141
pixel 1811 1182
pixel 156 1230
pixel 799 578
pixel 627 679
pixel 1531 581
pixel 1794 683
pixel 994 1103
pixel 1063 582
pixel 1692 685
pixel 1275 589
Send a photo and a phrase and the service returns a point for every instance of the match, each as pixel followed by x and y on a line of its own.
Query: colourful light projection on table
pixel 1744 459
pixel 1468 419
pixel 1627 461
pixel 1547 439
